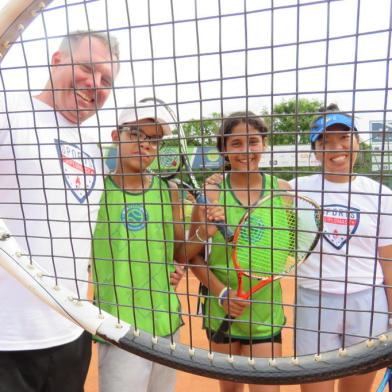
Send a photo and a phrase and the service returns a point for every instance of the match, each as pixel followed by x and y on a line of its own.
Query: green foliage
pixel 364 166
pixel 202 132
pixel 290 120
pixel 364 160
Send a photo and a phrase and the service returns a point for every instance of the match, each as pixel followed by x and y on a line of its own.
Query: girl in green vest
pixel 256 330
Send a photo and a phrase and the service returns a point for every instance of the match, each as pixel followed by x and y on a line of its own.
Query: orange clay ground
pixel 187 382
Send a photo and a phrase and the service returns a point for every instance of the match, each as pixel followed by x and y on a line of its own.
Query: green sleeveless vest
pixel 264 317
pixel 132 269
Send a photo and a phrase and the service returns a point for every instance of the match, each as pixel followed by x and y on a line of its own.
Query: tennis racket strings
pixel 168 50
pixel 272 238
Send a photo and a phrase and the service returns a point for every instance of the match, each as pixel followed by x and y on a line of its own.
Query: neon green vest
pixel 132 269
pixel 257 319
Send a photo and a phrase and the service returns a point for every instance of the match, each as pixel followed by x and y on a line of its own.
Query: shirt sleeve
pixel 385 233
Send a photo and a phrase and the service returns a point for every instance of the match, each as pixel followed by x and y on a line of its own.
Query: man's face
pixel 83 87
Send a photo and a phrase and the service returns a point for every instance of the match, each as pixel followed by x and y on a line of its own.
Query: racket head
pixel 360 357
pixel 276 235
pixel 169 159
pixel 168 162
pixel 179 137
pixel 173 160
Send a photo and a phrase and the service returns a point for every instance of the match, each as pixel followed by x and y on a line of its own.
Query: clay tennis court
pixel 187 382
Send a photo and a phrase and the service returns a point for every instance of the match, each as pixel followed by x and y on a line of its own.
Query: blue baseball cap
pixel 328 120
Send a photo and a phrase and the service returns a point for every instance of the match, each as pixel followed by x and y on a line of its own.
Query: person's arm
pixel 199 234
pixel 284 185
pixel 179 233
pixel 176 275
pixel 215 287
pixel 385 249
pixel 201 229
pixel 178 217
pixel 385 257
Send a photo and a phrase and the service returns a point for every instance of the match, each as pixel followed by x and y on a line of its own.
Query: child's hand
pixel 215 212
pixel 210 214
pixel 176 276
pixel 237 305
pixel 214 180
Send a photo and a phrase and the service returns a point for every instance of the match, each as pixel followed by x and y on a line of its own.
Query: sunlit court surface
pixel 242 144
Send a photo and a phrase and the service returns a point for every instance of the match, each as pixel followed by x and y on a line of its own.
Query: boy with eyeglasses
pixel 138 232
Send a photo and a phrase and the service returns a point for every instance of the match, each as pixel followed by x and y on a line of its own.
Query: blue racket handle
pixel 386 380
pixel 221 225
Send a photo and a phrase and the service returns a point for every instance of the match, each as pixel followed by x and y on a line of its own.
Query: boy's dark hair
pixel 246 117
pixel 332 107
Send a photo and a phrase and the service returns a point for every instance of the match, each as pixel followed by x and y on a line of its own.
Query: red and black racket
pixel 272 238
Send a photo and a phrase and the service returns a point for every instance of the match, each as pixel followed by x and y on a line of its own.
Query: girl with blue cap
pixel 342 299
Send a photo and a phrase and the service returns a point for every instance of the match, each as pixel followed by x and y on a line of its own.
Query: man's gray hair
pixel 71 42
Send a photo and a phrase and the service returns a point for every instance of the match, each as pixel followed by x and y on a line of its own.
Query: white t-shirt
pixel 351 228
pixel 50 186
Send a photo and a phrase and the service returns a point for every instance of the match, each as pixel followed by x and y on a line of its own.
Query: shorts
pixel 55 369
pixel 355 328
pixel 122 371
pixel 247 341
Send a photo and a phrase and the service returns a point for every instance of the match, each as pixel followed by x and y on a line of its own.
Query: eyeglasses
pixel 135 134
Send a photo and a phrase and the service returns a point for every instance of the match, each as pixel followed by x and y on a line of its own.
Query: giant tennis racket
pixel 160 45
pixel 273 238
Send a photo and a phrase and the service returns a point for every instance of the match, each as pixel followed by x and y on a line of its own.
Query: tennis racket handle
pixel 221 225
pixel 220 335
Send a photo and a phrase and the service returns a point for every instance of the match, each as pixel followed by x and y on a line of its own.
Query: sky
pixel 223 56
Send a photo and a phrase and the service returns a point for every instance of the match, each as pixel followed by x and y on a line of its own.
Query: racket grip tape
pixel 221 225
pixel 220 335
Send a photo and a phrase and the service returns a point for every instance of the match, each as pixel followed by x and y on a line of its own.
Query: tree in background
pixel 202 132
pixel 290 124
pixel 290 120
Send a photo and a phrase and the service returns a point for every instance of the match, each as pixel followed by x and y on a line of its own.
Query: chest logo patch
pixel 79 170
pixel 134 217
pixel 340 224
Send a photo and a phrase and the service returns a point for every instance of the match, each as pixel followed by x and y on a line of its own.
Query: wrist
pixel 201 235
pixel 223 295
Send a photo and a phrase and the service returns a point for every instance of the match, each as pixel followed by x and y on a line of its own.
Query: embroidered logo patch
pixel 134 217
pixel 340 224
pixel 79 170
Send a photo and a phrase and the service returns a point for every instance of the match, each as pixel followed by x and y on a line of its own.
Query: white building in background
pixel 381 144
pixel 300 155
